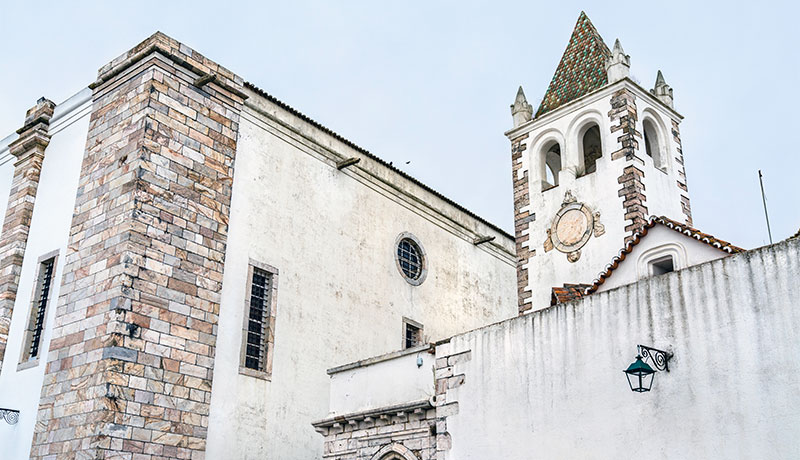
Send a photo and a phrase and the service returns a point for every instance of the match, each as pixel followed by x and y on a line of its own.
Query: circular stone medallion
pixel 572 227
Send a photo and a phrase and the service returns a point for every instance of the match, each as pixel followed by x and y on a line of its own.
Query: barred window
pixel 259 321
pixel 412 333
pixel 38 314
pixel 410 259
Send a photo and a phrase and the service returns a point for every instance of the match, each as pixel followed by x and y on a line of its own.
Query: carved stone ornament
pixel 599 228
pixel 572 227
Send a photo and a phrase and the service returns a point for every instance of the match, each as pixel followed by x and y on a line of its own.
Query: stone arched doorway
pixel 395 451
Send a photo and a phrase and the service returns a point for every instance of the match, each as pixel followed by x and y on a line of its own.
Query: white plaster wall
pixel 332 236
pixel 385 383
pixel 599 190
pixel 692 252
pixel 550 384
pixel 6 170
pixel 50 225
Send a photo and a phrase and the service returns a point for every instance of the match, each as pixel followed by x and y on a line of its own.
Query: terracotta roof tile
pixel 582 68
pixel 372 156
pixel 567 293
pixel 684 229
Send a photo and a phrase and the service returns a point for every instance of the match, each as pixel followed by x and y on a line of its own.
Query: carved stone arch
pixel 656 123
pixel 394 451
pixel 575 137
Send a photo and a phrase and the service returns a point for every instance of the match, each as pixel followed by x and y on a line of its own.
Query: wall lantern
pixel 640 374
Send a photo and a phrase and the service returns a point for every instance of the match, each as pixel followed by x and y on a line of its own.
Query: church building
pixel 192 269
pixel 637 334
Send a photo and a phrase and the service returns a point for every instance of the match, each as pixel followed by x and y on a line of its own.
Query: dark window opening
pixel 662 266
pixel 592 149
pixel 255 355
pixel 35 331
pixel 552 160
pixel 413 335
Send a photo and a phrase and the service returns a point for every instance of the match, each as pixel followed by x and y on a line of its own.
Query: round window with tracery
pixel 410 259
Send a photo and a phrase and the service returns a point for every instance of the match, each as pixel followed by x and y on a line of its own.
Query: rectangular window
pixel 41 298
pixel 259 321
pixel 412 333
pixel 662 266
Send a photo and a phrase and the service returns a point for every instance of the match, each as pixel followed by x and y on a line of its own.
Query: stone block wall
pixel 682 184
pixel 28 150
pixel 522 220
pixel 625 115
pixel 130 365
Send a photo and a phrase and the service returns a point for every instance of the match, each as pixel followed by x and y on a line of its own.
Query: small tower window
pixel 592 149
pixel 651 144
pixel 552 165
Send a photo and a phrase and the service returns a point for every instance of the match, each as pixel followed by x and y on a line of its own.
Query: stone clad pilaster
pixel 625 115
pixel 130 363
pixel 28 150
pixel 522 221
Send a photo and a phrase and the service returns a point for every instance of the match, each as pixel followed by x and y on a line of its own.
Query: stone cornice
pixel 182 56
pixel 367 415
pixel 589 98
pixel 35 140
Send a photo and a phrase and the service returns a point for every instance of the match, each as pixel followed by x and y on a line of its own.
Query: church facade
pixel 183 256
pixel 193 269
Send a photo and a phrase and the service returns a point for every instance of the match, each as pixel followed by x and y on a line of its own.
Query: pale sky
pixel 431 82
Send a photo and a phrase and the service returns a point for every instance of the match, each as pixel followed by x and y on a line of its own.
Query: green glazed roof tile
pixel 582 68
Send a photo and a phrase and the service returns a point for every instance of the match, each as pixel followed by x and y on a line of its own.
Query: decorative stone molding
pixel 11 416
pixel 406 430
pixel 618 66
pixel 521 111
pixel 131 359
pixel 662 90
pixel 29 151
pixel 572 227
pixel 522 220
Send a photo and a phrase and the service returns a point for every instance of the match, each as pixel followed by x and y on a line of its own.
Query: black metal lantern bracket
pixel 659 358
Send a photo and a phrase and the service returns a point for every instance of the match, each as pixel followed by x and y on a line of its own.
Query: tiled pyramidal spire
pixel 582 68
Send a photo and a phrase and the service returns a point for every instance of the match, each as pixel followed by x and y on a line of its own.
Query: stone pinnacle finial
pixel 619 64
pixel 521 111
pixel 662 90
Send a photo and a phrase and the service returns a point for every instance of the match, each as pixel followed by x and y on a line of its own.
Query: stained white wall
pixel 598 190
pixel 689 252
pixel 394 379
pixel 550 384
pixel 50 225
pixel 332 236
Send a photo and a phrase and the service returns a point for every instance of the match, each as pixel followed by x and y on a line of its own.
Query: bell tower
pixel 597 157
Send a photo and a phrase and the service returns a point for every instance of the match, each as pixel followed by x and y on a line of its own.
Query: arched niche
pixel 552 164
pixel 591 144
pixel 655 142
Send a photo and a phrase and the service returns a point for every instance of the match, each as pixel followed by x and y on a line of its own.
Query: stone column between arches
pixel 130 363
